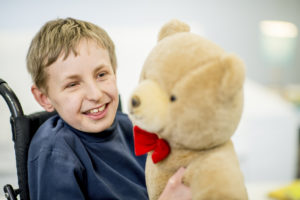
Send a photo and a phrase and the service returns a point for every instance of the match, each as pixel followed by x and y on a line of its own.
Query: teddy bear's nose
pixel 135 101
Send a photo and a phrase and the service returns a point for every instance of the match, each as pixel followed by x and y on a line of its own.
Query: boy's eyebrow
pixel 71 77
pixel 99 67
pixel 76 76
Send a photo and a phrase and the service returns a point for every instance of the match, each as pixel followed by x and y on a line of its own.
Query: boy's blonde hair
pixel 62 36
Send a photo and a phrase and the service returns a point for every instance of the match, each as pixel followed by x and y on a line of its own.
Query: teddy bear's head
pixel 190 91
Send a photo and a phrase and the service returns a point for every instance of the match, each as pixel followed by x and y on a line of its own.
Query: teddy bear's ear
pixel 234 76
pixel 172 27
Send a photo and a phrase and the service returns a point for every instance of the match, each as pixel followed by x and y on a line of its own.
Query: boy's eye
pixel 71 85
pixel 102 74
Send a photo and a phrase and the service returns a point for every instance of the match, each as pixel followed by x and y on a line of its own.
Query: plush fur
pixel 207 85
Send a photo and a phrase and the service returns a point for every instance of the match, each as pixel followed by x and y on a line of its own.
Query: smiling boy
pixel 86 150
pixel 83 88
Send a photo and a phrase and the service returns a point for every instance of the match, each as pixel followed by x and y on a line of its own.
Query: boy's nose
pixel 93 92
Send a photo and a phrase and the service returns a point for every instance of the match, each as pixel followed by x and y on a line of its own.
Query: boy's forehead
pixel 86 53
pixel 83 44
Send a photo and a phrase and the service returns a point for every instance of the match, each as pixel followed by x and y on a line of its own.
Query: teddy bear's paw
pixel 172 27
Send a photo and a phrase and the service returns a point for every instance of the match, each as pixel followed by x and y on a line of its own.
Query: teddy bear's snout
pixel 135 101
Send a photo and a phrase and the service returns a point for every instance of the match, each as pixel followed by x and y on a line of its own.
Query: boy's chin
pixel 96 126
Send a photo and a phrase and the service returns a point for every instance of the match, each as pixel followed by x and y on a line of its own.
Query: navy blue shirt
pixel 65 164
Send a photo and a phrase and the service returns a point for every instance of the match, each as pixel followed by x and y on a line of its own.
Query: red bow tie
pixel 145 142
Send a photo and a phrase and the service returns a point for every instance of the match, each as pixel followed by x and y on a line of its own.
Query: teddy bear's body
pixel 211 174
pixel 191 95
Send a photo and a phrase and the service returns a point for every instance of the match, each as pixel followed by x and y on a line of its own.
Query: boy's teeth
pixel 94 111
pixel 101 108
pixel 97 109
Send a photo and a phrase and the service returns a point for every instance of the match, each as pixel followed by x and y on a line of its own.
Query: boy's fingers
pixel 180 172
pixel 176 178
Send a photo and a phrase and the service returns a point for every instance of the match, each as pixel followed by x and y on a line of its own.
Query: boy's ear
pixel 42 98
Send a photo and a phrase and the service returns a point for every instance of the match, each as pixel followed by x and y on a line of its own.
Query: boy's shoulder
pixel 51 136
pixel 49 128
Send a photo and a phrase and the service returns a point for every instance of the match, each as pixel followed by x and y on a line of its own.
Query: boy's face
pixel 82 88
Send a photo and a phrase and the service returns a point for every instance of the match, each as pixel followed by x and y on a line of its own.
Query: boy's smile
pixel 96 113
pixel 82 88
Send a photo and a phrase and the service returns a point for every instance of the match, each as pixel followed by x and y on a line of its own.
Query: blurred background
pixel 264 33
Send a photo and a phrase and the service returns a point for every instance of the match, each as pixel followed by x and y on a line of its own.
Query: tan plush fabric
pixel 191 94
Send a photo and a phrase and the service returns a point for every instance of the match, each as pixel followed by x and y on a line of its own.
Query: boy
pixel 86 151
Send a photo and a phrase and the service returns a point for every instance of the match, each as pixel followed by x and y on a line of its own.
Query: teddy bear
pixel 185 108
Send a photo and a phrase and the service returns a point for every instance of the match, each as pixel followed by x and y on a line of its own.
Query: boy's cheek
pixel 111 87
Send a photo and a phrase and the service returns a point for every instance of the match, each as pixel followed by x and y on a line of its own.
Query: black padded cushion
pixel 24 128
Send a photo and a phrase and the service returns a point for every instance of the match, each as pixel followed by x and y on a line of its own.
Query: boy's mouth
pixel 96 110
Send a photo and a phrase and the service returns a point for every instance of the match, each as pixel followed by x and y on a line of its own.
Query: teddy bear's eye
pixel 173 98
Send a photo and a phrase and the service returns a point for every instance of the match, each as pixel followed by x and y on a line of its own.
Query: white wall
pixel 134 25
pixel 266 140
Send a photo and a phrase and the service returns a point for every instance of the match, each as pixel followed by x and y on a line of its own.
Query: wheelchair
pixel 23 128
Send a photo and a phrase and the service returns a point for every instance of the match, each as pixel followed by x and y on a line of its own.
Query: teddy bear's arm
pixel 217 176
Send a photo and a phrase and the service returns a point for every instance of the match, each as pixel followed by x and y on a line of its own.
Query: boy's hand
pixel 175 189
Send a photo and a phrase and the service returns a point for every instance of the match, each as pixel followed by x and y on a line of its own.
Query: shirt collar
pixel 107 134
